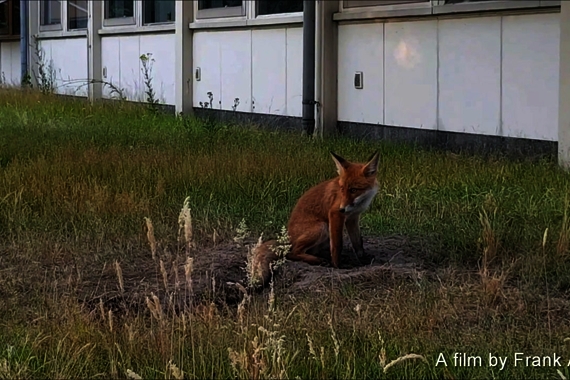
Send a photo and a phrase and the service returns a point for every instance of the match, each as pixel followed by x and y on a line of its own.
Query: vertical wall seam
pixel 251 76
pixel 384 73
pixel 437 90
pixel 501 47
pixel 286 113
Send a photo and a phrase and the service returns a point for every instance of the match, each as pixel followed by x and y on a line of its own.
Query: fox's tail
pixel 264 255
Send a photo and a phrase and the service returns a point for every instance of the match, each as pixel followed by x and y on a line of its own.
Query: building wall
pixel 10 69
pixel 68 57
pixel 484 75
pixel 122 65
pixel 260 67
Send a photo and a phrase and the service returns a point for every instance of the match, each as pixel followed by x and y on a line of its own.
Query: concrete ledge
pixel 264 121
pixel 130 29
pixel 267 21
pixel 58 34
pixel 452 141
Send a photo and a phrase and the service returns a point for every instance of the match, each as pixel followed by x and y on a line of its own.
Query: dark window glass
pixel 120 9
pixel 50 12
pixel 77 14
pixel 155 11
pixel 269 7
pixel 4 17
pixel 210 4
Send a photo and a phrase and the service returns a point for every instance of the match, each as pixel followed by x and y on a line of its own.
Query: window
pixel 119 12
pixel 76 14
pixel 269 7
pixel 9 18
pixel 220 8
pixel 156 11
pixel 50 14
pixel 370 3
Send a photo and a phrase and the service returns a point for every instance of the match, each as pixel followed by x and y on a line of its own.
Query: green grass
pixel 77 180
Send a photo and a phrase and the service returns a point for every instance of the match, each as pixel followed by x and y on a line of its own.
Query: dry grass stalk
pixel 164 275
pixel 102 309
pixel 176 372
pixel 185 225
pixel 150 236
pixel 564 239
pixel 335 340
pixel 241 306
pixel 176 276
pixel 110 320
pixel 404 358
pixel 311 347
pixel 132 375
pixel 119 276
pixel 155 307
pixel 188 268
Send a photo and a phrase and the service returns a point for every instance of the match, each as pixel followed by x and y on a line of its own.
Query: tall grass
pixel 78 180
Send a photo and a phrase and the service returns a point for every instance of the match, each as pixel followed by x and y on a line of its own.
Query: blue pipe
pixel 24 39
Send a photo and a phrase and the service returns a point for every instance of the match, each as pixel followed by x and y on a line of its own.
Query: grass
pixel 78 180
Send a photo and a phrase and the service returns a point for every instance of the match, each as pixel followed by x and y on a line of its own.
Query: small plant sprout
pixel 133 375
pixel 281 249
pixel 147 62
pixel 252 267
pixel 236 104
pixel 242 233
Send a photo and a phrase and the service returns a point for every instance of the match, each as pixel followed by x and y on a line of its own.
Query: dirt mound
pixel 217 269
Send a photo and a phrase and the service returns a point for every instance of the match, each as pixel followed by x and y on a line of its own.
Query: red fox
pixel 318 219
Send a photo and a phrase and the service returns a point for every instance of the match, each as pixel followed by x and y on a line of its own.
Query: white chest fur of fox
pixel 320 215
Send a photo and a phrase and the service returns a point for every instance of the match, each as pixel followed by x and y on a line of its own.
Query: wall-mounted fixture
pixel 198 74
pixel 105 72
pixel 358 80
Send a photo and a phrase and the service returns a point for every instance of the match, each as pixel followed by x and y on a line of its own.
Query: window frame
pixel 221 13
pixel 384 4
pixel 123 21
pixel 150 24
pixel 62 18
pixel 9 33
pixel 68 19
pixel 434 7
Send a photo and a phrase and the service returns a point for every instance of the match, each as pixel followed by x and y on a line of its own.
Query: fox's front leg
pixel 353 228
pixel 336 226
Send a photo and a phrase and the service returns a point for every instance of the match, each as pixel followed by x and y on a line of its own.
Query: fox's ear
pixel 340 162
pixel 372 166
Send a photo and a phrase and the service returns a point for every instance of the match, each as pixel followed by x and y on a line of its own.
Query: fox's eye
pixel 353 190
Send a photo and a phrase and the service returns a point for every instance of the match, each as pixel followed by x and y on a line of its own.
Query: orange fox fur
pixel 320 215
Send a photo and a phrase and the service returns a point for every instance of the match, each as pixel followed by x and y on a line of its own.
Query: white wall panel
pixel 110 60
pixel 469 75
pixel 235 49
pixel 294 71
pixel 531 45
pixel 361 48
pixel 269 71
pixel 161 47
pixel 69 59
pixel 121 61
pixel 10 64
pixel 411 74
pixel 206 56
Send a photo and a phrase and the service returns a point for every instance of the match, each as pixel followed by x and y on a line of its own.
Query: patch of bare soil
pixel 217 269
